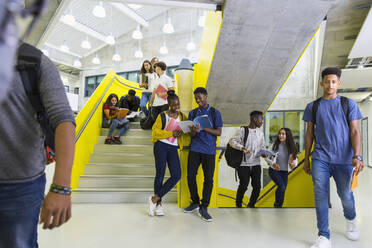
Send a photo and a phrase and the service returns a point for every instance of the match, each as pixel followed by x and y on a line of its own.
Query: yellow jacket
pixel 158 133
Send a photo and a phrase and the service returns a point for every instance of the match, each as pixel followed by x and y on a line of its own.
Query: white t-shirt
pixel 174 143
pixel 166 82
pixel 151 77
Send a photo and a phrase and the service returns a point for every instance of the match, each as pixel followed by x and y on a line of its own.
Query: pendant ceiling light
pixel 201 21
pixel 64 47
pixel 138 53
pixel 77 63
pixel 116 57
pixel 96 60
pixel 137 34
pixel 68 18
pixel 86 44
pixel 99 10
pixel 168 27
pixel 163 49
pixel 191 46
pixel 110 39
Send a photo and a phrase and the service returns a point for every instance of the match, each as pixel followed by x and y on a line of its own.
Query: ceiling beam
pixel 60 50
pixel 130 13
pixel 85 29
pixel 170 3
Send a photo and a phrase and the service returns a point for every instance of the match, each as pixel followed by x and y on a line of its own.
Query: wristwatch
pixel 360 158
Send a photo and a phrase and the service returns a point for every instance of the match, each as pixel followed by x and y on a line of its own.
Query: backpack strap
pixel 315 109
pixel 182 116
pixel 192 114
pixel 28 65
pixel 213 114
pixel 345 107
pixel 163 120
pixel 246 132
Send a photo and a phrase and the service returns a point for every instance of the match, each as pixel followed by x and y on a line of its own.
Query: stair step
pixel 120 169
pixel 140 149
pixel 130 140
pixel 130 158
pixel 117 181
pixel 135 125
pixel 118 195
pixel 131 132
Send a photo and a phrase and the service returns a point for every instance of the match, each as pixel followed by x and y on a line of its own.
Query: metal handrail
pixel 94 110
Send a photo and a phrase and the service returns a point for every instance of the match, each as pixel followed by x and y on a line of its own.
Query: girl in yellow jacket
pixel 165 151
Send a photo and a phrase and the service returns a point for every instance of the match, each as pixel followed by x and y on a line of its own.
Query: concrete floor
pixel 128 225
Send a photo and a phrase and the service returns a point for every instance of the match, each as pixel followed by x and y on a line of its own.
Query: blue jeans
pixel 114 125
pixel 165 153
pixel 321 172
pixel 19 213
pixel 280 178
pixel 146 97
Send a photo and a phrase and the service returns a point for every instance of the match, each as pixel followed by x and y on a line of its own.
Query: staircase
pixel 120 173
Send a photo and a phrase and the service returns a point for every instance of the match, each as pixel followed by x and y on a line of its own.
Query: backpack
pixel 213 114
pixel 344 104
pixel 147 122
pixel 28 66
pixel 164 119
pixel 233 156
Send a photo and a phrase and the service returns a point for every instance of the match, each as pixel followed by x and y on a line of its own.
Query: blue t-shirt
pixel 204 142
pixel 332 135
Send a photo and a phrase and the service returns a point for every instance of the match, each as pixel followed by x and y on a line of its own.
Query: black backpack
pixel 213 114
pixel 235 157
pixel 344 104
pixel 149 120
pixel 28 66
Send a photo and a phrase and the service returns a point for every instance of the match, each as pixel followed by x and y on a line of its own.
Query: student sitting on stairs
pixel 110 120
pixel 165 151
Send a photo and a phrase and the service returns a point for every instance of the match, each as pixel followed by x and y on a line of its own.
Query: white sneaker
pixel 322 242
pixel 352 231
pixel 159 211
pixel 152 207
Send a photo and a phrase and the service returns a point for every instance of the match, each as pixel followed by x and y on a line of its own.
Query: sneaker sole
pixel 210 220
pixel 192 211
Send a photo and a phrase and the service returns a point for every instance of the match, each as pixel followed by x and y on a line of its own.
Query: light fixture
pixel 134 6
pixel 370 98
pixel 45 52
pixel 110 39
pixel 77 63
pixel 86 44
pixel 96 60
pixel 201 21
pixel 68 18
pixel 99 10
pixel 138 53
pixel 190 46
pixel 163 49
pixel 137 34
pixel 168 27
pixel 64 47
pixel 116 57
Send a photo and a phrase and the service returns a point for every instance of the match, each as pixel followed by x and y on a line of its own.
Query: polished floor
pixel 128 225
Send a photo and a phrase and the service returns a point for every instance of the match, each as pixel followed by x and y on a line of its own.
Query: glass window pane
pixel 273 123
pixel 133 76
pixel 90 86
pixel 99 79
pixel 293 121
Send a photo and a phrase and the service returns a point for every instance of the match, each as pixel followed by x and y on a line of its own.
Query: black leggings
pixel 244 174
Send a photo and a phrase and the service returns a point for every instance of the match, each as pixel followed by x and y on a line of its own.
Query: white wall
pixel 366 109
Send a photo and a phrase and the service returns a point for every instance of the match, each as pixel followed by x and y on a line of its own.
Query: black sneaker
pixel 204 214
pixel 117 140
pixel 108 141
pixel 192 208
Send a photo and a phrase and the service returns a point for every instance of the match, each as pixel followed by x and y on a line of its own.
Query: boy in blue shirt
pixel 333 122
pixel 202 150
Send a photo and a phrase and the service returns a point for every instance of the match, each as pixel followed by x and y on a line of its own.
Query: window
pixel 76 90
pixel 91 83
pixel 275 120
pixel 67 88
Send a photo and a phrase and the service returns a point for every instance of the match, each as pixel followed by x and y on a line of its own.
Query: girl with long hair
pixel 147 76
pixel 110 120
pixel 283 163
